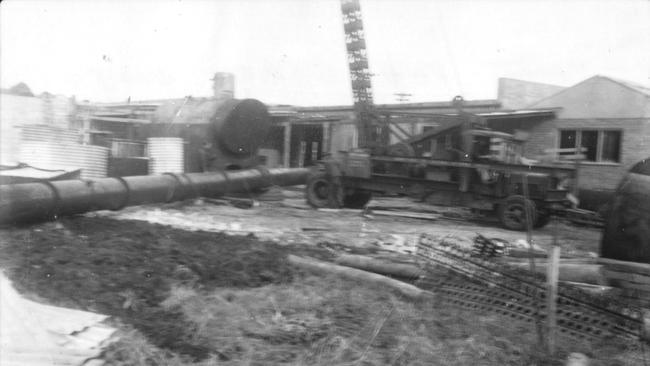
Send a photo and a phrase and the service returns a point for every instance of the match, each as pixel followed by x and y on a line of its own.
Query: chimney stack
pixel 223 85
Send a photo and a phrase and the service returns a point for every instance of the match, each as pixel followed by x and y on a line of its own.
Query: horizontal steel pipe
pixel 47 200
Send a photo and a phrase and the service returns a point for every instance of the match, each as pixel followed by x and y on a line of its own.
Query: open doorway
pixel 306 144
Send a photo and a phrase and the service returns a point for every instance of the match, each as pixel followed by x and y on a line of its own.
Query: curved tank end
pixel 627 225
pixel 241 126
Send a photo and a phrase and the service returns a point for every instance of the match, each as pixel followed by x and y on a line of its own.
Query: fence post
pixel 551 296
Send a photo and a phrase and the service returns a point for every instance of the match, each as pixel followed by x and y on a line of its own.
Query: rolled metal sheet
pixel 46 200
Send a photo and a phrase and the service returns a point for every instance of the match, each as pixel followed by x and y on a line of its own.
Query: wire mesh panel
pixel 475 283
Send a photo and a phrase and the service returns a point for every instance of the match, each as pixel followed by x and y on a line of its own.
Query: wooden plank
pixel 632 286
pixel 316 229
pixel 526 253
pixel 411 215
pixel 573 157
pixel 356 274
pixel 339 210
pixel 635 294
pixel 544 261
pixel 408 208
pixel 627 276
pixel 572 272
pixel 565 150
pixel 381 266
pixel 625 266
pixel 594 289
pixel 460 164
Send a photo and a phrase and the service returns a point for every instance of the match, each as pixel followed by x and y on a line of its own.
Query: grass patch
pixel 197 298
pixel 331 321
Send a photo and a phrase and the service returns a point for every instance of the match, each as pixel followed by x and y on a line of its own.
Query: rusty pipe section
pixel 47 200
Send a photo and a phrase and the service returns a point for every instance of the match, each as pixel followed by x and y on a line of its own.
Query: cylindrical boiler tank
pixel 240 126
pixel 218 134
pixel 627 224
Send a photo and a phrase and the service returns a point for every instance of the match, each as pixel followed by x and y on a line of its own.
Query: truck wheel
pixel 512 213
pixel 357 199
pixel 318 190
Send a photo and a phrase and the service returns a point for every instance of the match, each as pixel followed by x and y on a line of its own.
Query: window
pixel 600 145
pixel 611 146
pixel 568 139
pixel 589 140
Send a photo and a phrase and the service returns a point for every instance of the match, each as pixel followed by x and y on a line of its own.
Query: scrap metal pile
pixel 480 284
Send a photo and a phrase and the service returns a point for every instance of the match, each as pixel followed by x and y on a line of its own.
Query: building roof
pixel 631 85
pixel 638 88
pixel 517 94
pixel 600 97
pixel 524 113
pixel 487 103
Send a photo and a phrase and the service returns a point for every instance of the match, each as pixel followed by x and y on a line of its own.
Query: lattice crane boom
pixel 370 130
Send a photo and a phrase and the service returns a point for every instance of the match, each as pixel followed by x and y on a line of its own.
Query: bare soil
pixel 186 293
pixel 126 269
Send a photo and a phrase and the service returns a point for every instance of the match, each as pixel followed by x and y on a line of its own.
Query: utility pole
pixel 402 97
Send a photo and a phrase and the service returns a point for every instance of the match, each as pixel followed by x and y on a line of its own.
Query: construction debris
pixel 37 334
pixel 357 274
pixel 512 291
pixel 489 248
pixel 381 266
pixel 631 277
pixel 406 214
pixel 585 217
pixel 577 359
pixel 572 272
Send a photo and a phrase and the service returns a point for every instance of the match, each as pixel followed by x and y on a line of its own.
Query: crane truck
pixel 462 163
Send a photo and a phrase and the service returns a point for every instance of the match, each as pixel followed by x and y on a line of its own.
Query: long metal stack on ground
pixel 480 284
pixel 46 200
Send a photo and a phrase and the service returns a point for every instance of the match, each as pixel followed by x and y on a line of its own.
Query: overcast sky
pixel 293 52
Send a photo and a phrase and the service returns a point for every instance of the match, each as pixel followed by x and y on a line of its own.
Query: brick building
pixel 608 117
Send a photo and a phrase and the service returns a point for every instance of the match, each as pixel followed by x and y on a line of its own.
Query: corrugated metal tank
pixel 165 155
pixel 92 160
pixel 49 134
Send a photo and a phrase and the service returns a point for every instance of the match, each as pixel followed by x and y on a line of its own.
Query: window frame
pixel 599 143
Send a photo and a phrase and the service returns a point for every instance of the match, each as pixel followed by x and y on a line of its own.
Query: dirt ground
pixel 184 290
pixel 292 221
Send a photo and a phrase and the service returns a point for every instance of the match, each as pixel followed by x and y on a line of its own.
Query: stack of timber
pixel 585 217
pixel 631 277
pixel 576 270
